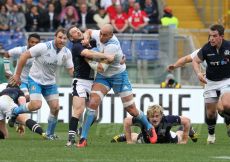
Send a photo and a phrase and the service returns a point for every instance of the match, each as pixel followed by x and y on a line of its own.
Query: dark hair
pixel 217 27
pixel 62 30
pixel 68 34
pixel 34 35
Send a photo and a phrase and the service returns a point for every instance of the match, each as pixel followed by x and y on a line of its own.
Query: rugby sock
pixel 72 128
pixel 143 119
pixel 21 109
pixel 52 122
pixel 2 136
pixel 211 125
pixel 34 126
pixel 89 118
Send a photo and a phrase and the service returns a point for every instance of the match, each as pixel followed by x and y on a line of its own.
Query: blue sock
pixel 52 122
pixel 89 118
pixel 20 109
pixel 143 119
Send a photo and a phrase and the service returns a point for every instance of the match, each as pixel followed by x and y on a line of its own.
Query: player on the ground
pixel 83 77
pixel 163 124
pixel 48 56
pixel 116 78
pixel 12 97
pixel 216 53
pixel 15 53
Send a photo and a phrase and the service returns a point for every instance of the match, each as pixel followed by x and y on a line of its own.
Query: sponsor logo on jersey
pixel 226 52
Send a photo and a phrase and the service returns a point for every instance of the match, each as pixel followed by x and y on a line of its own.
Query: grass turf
pixel 32 148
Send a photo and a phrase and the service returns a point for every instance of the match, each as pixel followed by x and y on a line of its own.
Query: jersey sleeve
pixel 15 52
pixel 69 61
pixel 95 34
pixel 194 53
pixel 111 49
pixel 38 50
pixel 173 120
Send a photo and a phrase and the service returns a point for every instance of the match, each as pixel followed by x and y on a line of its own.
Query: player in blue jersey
pixel 15 53
pixel 42 79
pixel 114 77
pixel 83 77
pixel 163 124
pixel 11 97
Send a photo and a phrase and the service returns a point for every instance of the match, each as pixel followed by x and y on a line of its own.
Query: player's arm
pixel 127 127
pixel 87 35
pixel 21 63
pixel 6 62
pixel 179 63
pixel 101 66
pixel 186 124
pixel 196 66
pixel 97 55
pixel 70 71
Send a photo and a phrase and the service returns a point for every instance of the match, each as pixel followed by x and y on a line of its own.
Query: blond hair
pixel 153 109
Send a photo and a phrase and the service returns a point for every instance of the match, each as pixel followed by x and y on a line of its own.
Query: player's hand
pixel 20 129
pixel 170 68
pixel 14 80
pixel 202 78
pixel 110 58
pixel 8 75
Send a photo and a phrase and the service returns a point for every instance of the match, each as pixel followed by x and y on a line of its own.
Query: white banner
pixel 187 102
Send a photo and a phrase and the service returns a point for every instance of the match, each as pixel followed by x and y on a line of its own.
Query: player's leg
pixel 3 129
pixel 81 90
pixel 51 95
pixel 31 124
pixel 224 107
pixel 122 86
pixel 99 89
pixel 210 119
pixel 35 103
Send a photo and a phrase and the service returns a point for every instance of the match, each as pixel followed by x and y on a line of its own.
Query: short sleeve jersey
pixel 47 59
pixel 110 47
pixel 218 61
pixel 15 54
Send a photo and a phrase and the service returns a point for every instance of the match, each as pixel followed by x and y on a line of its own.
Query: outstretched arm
pixel 179 63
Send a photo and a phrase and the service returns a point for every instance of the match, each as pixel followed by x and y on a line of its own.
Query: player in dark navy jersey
pixel 84 71
pixel 216 53
pixel 162 124
pixel 10 98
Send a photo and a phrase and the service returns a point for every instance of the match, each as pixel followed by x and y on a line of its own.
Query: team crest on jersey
pixel 226 52
pixel 64 58
pixel 33 88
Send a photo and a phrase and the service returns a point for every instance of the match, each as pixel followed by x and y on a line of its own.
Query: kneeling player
pixel 163 124
pixel 11 97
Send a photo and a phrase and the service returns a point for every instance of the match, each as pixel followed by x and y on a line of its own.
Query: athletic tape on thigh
pixel 99 93
pixel 126 93
pixel 128 103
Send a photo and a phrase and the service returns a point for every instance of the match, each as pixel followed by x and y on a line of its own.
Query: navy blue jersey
pixel 163 129
pixel 218 62
pixel 14 93
pixel 82 70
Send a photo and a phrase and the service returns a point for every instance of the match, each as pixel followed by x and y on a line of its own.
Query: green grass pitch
pixel 32 148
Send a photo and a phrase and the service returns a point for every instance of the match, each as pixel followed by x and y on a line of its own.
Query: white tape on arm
pixel 6 62
pixel 93 64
